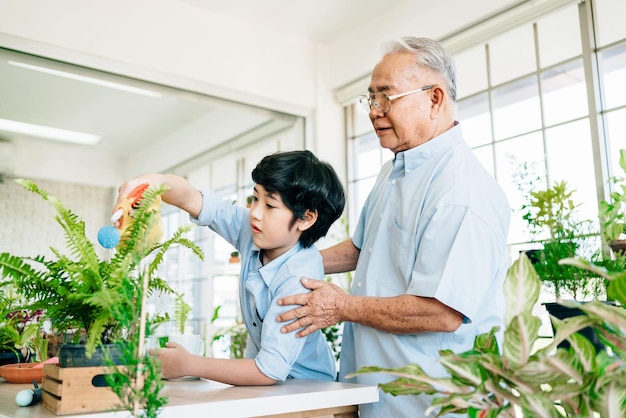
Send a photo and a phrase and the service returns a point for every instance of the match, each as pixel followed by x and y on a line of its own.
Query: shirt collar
pixel 269 271
pixel 411 159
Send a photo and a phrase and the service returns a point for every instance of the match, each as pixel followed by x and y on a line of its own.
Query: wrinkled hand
pixel 320 308
pixel 173 359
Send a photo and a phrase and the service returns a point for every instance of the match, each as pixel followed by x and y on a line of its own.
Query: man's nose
pixel 376 113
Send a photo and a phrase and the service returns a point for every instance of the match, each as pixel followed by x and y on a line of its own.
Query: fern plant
pixel 137 383
pixel 104 298
pixel 181 313
pixel 78 290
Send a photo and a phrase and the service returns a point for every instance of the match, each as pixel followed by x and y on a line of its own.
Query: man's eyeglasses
pixel 382 102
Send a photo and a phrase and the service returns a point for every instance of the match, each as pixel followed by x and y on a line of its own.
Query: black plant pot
pixel 563 312
pixel 75 355
pixel 618 246
pixel 11 357
pixel 534 256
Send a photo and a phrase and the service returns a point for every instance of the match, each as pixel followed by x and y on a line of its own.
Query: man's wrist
pixel 347 308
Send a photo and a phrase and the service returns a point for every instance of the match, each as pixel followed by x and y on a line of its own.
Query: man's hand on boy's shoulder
pixel 319 308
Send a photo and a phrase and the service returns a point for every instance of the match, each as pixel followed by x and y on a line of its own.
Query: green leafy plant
pixel 137 383
pixel 547 382
pixel 181 313
pixel 552 211
pixel 567 281
pixel 554 223
pixel 235 337
pixel 613 212
pixel 20 327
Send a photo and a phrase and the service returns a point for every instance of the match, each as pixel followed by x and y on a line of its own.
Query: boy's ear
pixel 307 221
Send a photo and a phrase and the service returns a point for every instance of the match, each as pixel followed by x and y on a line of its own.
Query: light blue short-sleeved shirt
pixel 278 356
pixel 435 225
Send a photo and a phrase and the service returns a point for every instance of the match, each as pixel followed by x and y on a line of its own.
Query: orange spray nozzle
pixel 123 211
pixel 134 196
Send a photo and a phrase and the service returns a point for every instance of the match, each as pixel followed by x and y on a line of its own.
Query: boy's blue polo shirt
pixel 278 356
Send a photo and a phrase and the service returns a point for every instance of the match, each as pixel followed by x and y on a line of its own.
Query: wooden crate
pixel 75 390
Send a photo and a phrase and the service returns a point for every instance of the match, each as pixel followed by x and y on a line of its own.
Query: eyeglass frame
pixel 367 99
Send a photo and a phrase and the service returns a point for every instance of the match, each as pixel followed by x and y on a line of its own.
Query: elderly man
pixel 430 246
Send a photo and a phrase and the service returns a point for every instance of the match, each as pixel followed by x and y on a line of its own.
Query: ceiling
pixel 35 97
pixel 317 20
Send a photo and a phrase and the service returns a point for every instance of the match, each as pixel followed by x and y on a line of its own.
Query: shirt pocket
pixel 402 252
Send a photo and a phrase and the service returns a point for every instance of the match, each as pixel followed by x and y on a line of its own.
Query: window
pixel 184 272
pixel 612 63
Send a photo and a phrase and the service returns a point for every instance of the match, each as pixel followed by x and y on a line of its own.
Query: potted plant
pixel 494 381
pixel 137 381
pixel 234 257
pixel 554 223
pixel 21 337
pixel 181 316
pixel 612 212
pixel 233 338
pixel 191 342
pixel 96 301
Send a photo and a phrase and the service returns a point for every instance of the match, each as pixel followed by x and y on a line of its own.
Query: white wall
pixel 29 226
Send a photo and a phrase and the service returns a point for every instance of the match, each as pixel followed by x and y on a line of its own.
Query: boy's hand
pixel 173 359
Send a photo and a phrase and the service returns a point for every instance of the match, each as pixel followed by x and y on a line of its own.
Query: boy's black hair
pixel 303 182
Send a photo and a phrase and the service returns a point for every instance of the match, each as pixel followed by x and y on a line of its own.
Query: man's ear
pixel 307 221
pixel 438 98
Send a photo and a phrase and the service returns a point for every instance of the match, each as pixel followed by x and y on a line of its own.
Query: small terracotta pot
pixel 22 372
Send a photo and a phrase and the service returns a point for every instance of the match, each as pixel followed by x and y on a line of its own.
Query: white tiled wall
pixel 28 225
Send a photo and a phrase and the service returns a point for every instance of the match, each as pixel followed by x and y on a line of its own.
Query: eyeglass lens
pixel 379 101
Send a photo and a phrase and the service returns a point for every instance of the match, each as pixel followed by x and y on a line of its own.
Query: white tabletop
pixel 195 398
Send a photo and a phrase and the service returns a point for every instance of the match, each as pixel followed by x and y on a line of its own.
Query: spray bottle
pixel 109 236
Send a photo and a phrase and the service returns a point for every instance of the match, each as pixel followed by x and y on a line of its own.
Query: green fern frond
pixel 135 244
pixel 103 297
pixel 189 244
pixel 176 239
pixel 145 220
pixel 94 335
pixel 17 268
pixel 157 284
pixel 181 312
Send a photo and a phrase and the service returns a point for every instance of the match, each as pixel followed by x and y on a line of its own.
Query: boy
pixel 296 199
